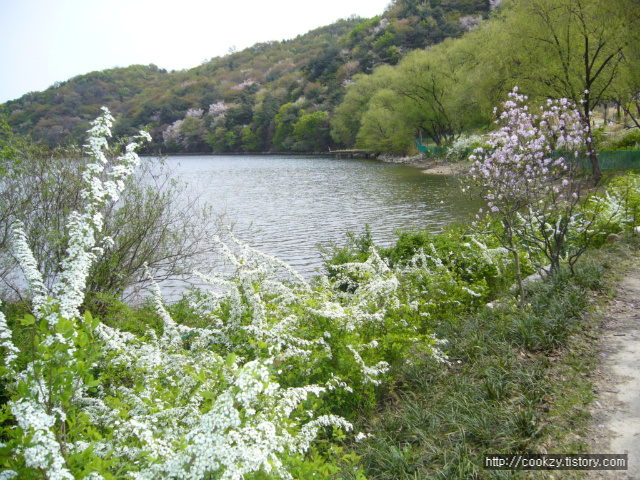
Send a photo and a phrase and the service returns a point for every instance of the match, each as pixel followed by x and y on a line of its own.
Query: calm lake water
pixel 287 206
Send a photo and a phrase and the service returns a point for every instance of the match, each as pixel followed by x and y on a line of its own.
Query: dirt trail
pixel 616 409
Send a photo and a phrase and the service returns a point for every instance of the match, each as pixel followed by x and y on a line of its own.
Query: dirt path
pixel 616 409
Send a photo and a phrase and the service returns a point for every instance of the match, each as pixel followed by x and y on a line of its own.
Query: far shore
pixel 428 165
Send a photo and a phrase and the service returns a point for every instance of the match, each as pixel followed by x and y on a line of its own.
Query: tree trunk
pixel 596 172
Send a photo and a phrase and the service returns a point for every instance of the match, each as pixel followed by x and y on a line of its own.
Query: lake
pixel 286 206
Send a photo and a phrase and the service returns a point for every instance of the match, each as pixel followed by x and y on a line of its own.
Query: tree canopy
pixel 431 69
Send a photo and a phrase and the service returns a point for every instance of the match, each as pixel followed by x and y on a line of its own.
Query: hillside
pixel 271 96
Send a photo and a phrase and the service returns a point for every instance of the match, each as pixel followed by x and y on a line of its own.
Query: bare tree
pixel 158 222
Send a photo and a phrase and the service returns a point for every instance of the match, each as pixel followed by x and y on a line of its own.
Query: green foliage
pixel 255 83
pixel 629 141
pixel 499 394
pixel 426 93
pixel 157 222
pixel 63 367
pixel 467 257
pixel 617 210
pixel 285 122
pixel 356 248
pixel 311 131
pixel 464 146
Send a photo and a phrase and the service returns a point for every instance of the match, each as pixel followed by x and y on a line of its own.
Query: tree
pixel 250 140
pixel 347 117
pixel 428 92
pixel 626 89
pixel 384 127
pixel 577 48
pixel 433 88
pixel 520 172
pixel 156 222
pixel 311 131
pixel 285 120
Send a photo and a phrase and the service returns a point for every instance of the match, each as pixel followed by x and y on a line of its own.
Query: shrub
pixel 618 210
pixel 629 141
pixel 93 400
pixel 463 146
pixel 155 221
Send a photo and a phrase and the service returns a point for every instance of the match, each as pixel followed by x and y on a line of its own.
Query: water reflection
pixel 287 206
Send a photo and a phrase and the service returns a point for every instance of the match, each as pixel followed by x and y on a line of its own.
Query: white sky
pixel 44 41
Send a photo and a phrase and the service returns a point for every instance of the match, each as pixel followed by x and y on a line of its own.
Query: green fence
pixel 432 151
pixel 609 159
pixel 619 159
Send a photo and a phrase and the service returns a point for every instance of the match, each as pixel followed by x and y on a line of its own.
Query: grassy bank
pixel 422 349
pixel 516 380
pixel 519 381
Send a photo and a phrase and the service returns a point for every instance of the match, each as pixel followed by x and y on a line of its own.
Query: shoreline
pixel 430 166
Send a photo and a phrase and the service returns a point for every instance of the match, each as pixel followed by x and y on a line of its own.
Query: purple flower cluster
pixel 520 165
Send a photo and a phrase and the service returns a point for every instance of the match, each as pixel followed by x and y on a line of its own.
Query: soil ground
pixel 616 408
pixel 430 165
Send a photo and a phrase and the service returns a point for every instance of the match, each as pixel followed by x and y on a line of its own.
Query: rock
pixel 613 238
pixel 536 277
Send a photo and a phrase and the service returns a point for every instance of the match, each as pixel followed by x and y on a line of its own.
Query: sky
pixel 48 41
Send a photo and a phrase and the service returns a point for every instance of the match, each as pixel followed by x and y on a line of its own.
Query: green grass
pixel 518 381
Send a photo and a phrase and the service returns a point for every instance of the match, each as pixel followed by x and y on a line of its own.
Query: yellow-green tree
pixel 573 49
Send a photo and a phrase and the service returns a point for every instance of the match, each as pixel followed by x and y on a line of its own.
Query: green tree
pixel 250 141
pixel 434 92
pixel 625 91
pixel 573 49
pixel 285 120
pixel 311 131
pixel 384 127
pixel 428 92
pixel 347 118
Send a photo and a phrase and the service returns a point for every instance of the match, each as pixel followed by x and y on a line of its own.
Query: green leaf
pixel 207 394
pixel 231 359
pixel 82 339
pixel 28 320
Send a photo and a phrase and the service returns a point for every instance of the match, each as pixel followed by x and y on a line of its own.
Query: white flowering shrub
pixel 320 333
pixel 619 207
pixel 90 401
pixel 44 406
pixel 463 145
pixel 436 277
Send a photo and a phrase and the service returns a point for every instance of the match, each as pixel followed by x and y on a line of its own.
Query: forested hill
pixel 273 96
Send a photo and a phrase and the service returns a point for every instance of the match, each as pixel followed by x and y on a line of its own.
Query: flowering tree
pixel 533 191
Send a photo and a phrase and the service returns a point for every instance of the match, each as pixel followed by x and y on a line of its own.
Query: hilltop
pixel 271 96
